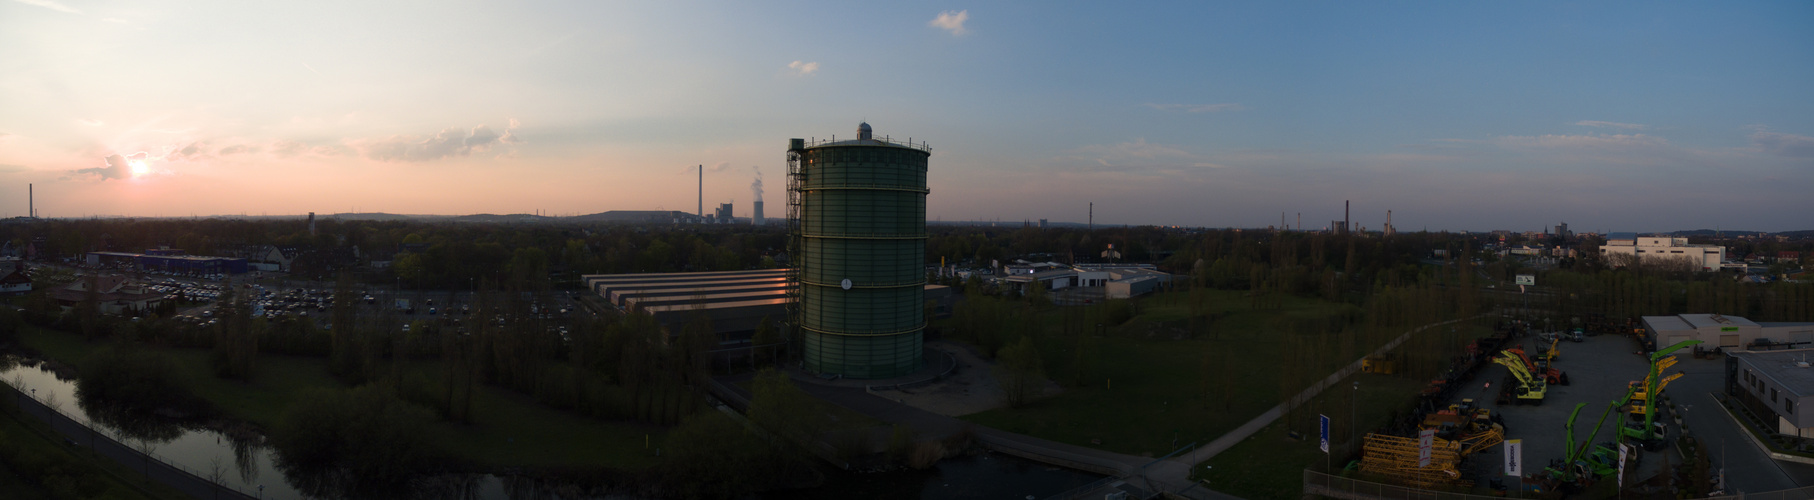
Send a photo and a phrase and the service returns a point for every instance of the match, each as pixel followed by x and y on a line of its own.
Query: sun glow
pixel 138 168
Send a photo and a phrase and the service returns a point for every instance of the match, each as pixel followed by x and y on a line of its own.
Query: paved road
pixel 81 436
pixel 1748 467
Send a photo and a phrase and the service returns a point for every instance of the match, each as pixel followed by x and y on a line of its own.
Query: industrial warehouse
pixel 736 302
pixel 169 261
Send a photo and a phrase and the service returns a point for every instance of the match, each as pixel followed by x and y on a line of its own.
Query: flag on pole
pixel 1514 457
pixel 1325 444
pixel 1426 439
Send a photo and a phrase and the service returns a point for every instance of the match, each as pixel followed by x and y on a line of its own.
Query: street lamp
pixel 1353 410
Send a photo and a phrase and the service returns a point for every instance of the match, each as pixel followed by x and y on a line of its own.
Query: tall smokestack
pixel 1092 216
pixel 702 192
pixel 1345 223
pixel 31 202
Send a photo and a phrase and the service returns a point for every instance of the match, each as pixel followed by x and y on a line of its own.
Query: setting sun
pixel 138 167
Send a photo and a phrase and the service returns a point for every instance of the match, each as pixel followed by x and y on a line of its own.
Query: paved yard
pixel 1598 370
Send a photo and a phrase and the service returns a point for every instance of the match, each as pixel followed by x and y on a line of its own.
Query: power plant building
pixel 857 227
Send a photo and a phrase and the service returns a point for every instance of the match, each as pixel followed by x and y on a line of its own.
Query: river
pixel 254 466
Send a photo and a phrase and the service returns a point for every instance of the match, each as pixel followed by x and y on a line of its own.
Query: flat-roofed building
pixel 1726 332
pixel 735 302
pixel 1664 249
pixel 1777 384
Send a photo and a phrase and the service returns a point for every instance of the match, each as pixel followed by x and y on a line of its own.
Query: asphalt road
pixel 1748 468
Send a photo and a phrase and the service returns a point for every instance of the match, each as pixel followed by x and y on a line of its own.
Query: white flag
pixel 1514 457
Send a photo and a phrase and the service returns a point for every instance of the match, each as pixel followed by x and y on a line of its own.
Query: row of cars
pixel 174 290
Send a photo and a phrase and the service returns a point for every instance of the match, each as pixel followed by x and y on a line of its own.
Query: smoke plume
pixel 756 186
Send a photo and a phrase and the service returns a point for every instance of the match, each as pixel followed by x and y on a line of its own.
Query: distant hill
pixel 378 216
pixel 1720 232
pixel 509 218
pixel 634 216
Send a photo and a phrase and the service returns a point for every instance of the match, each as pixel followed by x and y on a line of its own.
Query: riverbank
pixel 37 462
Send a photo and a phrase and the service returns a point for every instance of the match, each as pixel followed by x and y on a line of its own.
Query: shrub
pixel 364 441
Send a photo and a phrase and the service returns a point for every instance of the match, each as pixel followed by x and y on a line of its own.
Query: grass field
pixel 1270 464
pixel 1165 386
pixel 510 429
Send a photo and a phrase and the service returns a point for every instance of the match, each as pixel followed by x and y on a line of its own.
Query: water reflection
pixel 129 423
pixel 206 453
pixel 245 455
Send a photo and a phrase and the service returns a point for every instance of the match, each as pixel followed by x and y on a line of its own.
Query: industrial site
pixel 861 346
pixel 898 251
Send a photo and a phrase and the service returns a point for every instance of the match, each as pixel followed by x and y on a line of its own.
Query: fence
pixel 153 466
pixel 1317 483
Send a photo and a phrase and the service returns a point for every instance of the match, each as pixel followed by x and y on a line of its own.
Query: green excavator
pixel 1584 462
pixel 1640 424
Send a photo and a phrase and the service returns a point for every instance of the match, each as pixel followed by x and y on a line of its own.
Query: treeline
pixel 443 255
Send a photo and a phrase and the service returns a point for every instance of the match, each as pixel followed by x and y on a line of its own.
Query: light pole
pixel 1353 410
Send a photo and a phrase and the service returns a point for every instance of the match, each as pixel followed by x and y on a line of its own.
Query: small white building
pixel 1661 248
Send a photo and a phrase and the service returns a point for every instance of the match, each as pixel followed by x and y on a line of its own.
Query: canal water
pixel 991 476
pixel 249 466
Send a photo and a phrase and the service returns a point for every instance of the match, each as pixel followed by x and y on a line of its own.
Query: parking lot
pixel 1598 370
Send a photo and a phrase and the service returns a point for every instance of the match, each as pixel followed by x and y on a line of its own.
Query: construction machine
pixel 1549 355
pixel 1581 465
pixel 1523 387
pixel 1640 424
pixel 1550 374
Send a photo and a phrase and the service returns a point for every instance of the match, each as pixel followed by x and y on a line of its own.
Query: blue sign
pixel 1325 444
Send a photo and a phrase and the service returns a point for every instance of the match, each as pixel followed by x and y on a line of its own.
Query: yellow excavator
pixel 1526 389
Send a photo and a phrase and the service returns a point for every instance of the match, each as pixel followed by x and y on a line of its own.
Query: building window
pixel 1788 407
pixel 1773 394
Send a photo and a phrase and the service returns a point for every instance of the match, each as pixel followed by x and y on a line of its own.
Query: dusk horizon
pixel 1627 118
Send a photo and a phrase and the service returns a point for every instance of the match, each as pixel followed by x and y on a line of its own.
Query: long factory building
pixel 736 301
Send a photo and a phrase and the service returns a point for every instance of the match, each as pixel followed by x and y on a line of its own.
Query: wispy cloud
pixel 49 4
pixel 449 143
pixel 510 136
pixel 1134 154
pixel 1780 144
pixel 116 169
pixel 952 21
pixel 237 149
pixel 1198 108
pixel 1626 126
pixel 5 137
pixel 1617 141
pixel 292 149
pixel 91 123
pixel 803 68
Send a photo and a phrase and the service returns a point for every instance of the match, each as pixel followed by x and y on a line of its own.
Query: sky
pixel 1609 116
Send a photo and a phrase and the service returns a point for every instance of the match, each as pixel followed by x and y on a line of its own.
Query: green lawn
pixel 1163 384
pixel 510 429
pixel 1270 463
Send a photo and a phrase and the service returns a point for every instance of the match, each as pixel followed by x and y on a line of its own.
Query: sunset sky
pixel 1639 116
